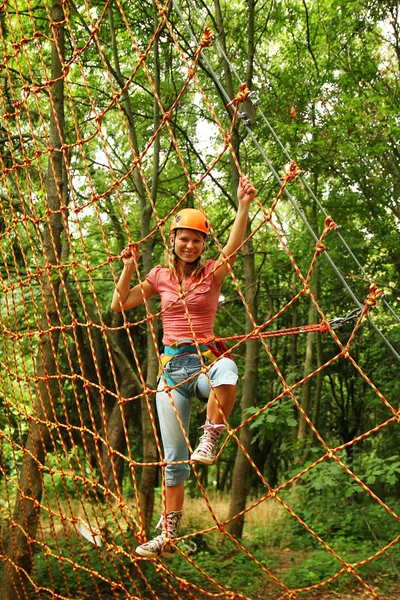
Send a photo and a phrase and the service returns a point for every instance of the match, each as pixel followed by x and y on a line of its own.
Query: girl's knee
pixel 176 474
pixel 224 372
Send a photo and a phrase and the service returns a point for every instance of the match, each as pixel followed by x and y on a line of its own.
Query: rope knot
pixel 241 96
pixel 183 584
pixel 330 224
pixel 324 326
pixel 227 138
pixel 293 172
pixel 374 294
pixel 207 38
pixel 319 248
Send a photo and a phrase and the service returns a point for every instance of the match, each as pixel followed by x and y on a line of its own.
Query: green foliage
pixel 57 568
pixel 317 567
pixel 279 418
pixel 386 472
pixel 279 544
pixel 228 566
pixel 337 510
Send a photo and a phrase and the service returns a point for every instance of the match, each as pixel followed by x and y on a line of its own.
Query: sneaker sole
pixel 146 554
pixel 199 458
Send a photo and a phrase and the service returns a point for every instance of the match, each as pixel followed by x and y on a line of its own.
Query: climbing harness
pixel 209 352
pixel 212 351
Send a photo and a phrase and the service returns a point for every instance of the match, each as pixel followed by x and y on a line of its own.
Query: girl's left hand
pixel 246 191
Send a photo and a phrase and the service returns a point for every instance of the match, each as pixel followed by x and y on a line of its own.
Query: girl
pixel 181 361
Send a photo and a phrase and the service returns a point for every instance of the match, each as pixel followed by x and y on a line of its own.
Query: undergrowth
pixel 281 546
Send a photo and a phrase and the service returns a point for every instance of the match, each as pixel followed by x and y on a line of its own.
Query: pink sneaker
pixel 207 449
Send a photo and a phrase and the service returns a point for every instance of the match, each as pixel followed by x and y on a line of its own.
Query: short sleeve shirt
pixel 192 314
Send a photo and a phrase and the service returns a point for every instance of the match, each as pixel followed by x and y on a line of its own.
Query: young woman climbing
pixel 201 282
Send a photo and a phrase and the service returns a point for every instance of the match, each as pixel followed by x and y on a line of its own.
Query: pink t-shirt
pixel 201 301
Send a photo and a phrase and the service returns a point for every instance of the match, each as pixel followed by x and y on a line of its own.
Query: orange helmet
pixel 190 218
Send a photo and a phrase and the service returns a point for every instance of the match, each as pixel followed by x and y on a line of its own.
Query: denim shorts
pixel 178 370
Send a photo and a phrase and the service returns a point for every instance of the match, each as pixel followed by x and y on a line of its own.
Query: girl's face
pixel 189 244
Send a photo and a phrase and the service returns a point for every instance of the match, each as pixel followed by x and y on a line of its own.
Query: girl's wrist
pixel 129 268
pixel 243 206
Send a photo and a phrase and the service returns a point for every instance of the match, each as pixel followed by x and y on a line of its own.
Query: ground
pixel 320 595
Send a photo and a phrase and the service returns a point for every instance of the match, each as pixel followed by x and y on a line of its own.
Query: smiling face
pixel 188 244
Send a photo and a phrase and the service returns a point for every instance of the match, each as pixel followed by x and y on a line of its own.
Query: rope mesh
pixel 70 201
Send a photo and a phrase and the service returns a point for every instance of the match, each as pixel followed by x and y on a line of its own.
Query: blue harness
pixel 171 351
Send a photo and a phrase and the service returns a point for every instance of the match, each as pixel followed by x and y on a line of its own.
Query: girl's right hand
pixel 246 192
pixel 130 255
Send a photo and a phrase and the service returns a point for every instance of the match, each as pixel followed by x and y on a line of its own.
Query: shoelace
pixel 210 437
pixel 155 544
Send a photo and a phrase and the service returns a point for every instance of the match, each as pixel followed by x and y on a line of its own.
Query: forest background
pixel 325 77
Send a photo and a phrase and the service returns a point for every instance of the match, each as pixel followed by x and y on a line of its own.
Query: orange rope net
pixel 70 198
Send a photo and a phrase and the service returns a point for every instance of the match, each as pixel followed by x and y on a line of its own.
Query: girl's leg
pixel 221 398
pixel 175 450
pixel 221 395
pixel 173 439
pixel 175 496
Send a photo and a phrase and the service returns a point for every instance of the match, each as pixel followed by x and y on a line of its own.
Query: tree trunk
pixel 306 387
pixel 293 350
pixel 242 466
pixel 223 474
pixel 229 88
pixel 149 474
pixel 309 365
pixel 119 416
pixel 319 355
pixel 26 514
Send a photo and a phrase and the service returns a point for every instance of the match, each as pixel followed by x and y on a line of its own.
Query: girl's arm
pixel 124 297
pixel 245 194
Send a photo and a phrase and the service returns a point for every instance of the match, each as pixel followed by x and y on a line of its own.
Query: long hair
pixel 190 270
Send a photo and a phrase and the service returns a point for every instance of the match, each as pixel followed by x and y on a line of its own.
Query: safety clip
pixel 338 322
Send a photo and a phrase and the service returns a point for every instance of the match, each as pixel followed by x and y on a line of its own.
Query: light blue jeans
pixel 178 369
